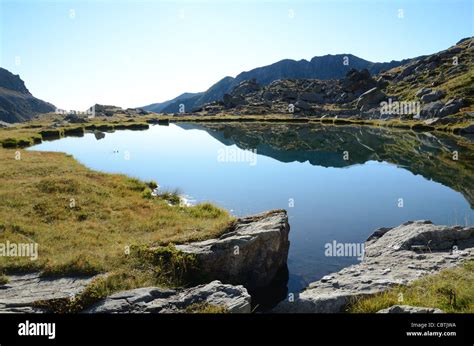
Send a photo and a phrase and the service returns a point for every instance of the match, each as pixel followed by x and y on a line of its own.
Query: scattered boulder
pixel 99 135
pixel 468 129
pixel 231 101
pixel 250 254
pixel 433 95
pixel 311 97
pixel 451 107
pixel 75 119
pixel 372 97
pixel 246 87
pixel 431 109
pixel 232 299
pixel 407 309
pixel 358 81
pixel 302 105
pixel 422 92
pixel 289 95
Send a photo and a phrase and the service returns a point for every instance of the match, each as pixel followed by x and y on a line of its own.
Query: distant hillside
pixel 158 107
pixel 439 87
pixel 323 67
pixel 16 102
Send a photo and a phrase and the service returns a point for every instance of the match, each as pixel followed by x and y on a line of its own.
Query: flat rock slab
pixel 250 254
pixel 408 309
pixel 235 299
pixel 19 294
pixel 393 256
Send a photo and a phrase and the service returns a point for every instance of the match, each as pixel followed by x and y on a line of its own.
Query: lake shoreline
pixel 50 127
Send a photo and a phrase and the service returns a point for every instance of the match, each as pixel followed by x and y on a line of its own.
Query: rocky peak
pixel 11 81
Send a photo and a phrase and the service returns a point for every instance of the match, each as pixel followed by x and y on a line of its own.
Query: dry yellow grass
pixel 83 221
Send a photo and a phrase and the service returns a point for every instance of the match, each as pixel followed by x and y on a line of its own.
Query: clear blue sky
pixel 132 53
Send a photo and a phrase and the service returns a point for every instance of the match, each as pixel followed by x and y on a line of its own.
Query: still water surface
pixel 299 168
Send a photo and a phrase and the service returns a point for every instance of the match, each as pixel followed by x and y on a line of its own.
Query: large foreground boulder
pixel 250 254
pixel 231 299
pixel 393 256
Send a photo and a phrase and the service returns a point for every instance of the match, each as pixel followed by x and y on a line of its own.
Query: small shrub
pixel 152 184
pixel 170 266
pixel 205 210
pixel 172 197
pixel 147 193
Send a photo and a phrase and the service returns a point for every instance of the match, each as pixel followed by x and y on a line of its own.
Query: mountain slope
pixel 438 87
pixel 16 102
pixel 322 67
pixel 158 107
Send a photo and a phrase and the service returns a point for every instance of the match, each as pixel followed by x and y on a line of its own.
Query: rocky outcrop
pixel 395 256
pixel 251 253
pixel 407 309
pixel 356 93
pixel 232 299
pixel 22 291
pixel 433 95
pixel 371 98
pixel 16 102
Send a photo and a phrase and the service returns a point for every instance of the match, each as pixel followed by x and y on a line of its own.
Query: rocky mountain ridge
pixel 320 67
pixel 434 86
pixel 16 102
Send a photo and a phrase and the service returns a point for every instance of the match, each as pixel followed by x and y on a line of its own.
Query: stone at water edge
pixel 250 254
pixel 397 249
pixel 234 299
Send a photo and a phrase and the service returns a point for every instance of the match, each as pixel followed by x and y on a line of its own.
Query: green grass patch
pixel 52 134
pixel 74 131
pixel 83 221
pixel 451 290
pixel 170 267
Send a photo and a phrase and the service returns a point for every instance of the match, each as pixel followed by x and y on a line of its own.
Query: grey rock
pixel 235 299
pixel 250 254
pixel 22 291
pixel 312 97
pixel 451 107
pixel 246 87
pixel 371 97
pixel 302 105
pixel 268 95
pixel 289 95
pixel 233 101
pixel 433 95
pixel 468 129
pixel 410 251
pixel 407 309
pixel 99 135
pixel 422 92
pixel 431 109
